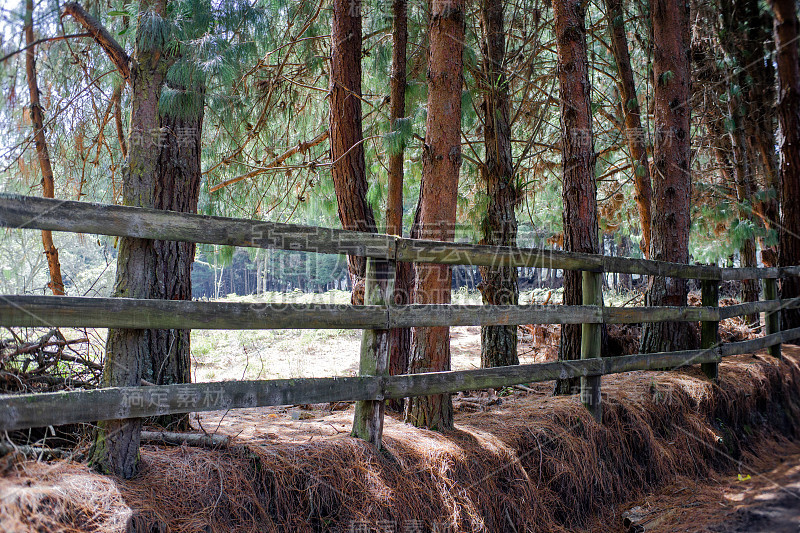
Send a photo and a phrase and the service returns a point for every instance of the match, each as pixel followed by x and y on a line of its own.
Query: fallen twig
pixel 35 451
pixel 197 440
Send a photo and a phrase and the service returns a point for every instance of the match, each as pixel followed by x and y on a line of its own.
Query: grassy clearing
pixel 272 354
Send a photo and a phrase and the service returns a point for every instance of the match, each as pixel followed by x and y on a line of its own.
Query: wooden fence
pixel 373 385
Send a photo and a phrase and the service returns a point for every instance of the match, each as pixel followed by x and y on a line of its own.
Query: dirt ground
pixel 330 356
pixel 764 497
pixel 219 355
pixel 274 354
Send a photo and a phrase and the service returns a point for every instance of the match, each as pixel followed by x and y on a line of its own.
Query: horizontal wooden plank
pixel 647 267
pixel 764 306
pixel 422 251
pixel 748 308
pixel 633 315
pixel 488 315
pixel 450 382
pixel 83 217
pixel 37 410
pixel 789 271
pixel 403 316
pixel 730 274
pixel 451 253
pixel 759 343
pixel 71 311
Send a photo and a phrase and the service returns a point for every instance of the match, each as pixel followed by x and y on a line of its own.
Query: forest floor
pixel 764 497
pixel 674 453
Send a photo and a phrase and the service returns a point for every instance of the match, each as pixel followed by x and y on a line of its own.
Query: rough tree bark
pixel 579 193
pixel 634 133
pixel 400 338
pixel 37 120
pixel 499 284
pixel 441 161
pixel 127 351
pixel 177 188
pixel 162 171
pixel 671 176
pixel 346 136
pixel 786 35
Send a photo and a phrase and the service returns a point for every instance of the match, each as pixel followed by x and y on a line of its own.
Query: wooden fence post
pixel 709 330
pixel 375 349
pixel 772 319
pixel 591 341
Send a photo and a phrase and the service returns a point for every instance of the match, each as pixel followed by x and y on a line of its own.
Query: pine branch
pixel 300 147
pixel 41 41
pixel 115 52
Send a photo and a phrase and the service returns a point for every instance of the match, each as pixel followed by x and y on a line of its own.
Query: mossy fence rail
pixel 373 385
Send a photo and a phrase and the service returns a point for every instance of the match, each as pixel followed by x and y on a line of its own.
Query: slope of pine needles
pixel 533 463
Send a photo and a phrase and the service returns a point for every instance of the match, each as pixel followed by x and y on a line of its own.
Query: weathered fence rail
pixel 68 311
pixel 36 410
pixel 71 311
pixel 45 409
pixel 122 221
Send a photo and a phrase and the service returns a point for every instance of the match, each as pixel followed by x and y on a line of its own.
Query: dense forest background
pixel 264 72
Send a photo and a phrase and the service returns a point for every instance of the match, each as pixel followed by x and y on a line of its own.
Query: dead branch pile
pixel 49 363
pixel 530 464
pixel 476 400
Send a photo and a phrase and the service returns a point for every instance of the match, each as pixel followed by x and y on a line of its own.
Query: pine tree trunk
pixel 162 171
pixel 786 35
pixel 671 177
pixel 499 284
pixel 441 161
pixel 634 133
pixel 129 350
pixel 37 120
pixel 177 188
pixel 742 151
pixel 579 193
pixel 397 88
pixel 346 136
pixel 400 338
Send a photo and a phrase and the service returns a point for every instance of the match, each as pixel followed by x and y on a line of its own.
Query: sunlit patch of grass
pixel 278 353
